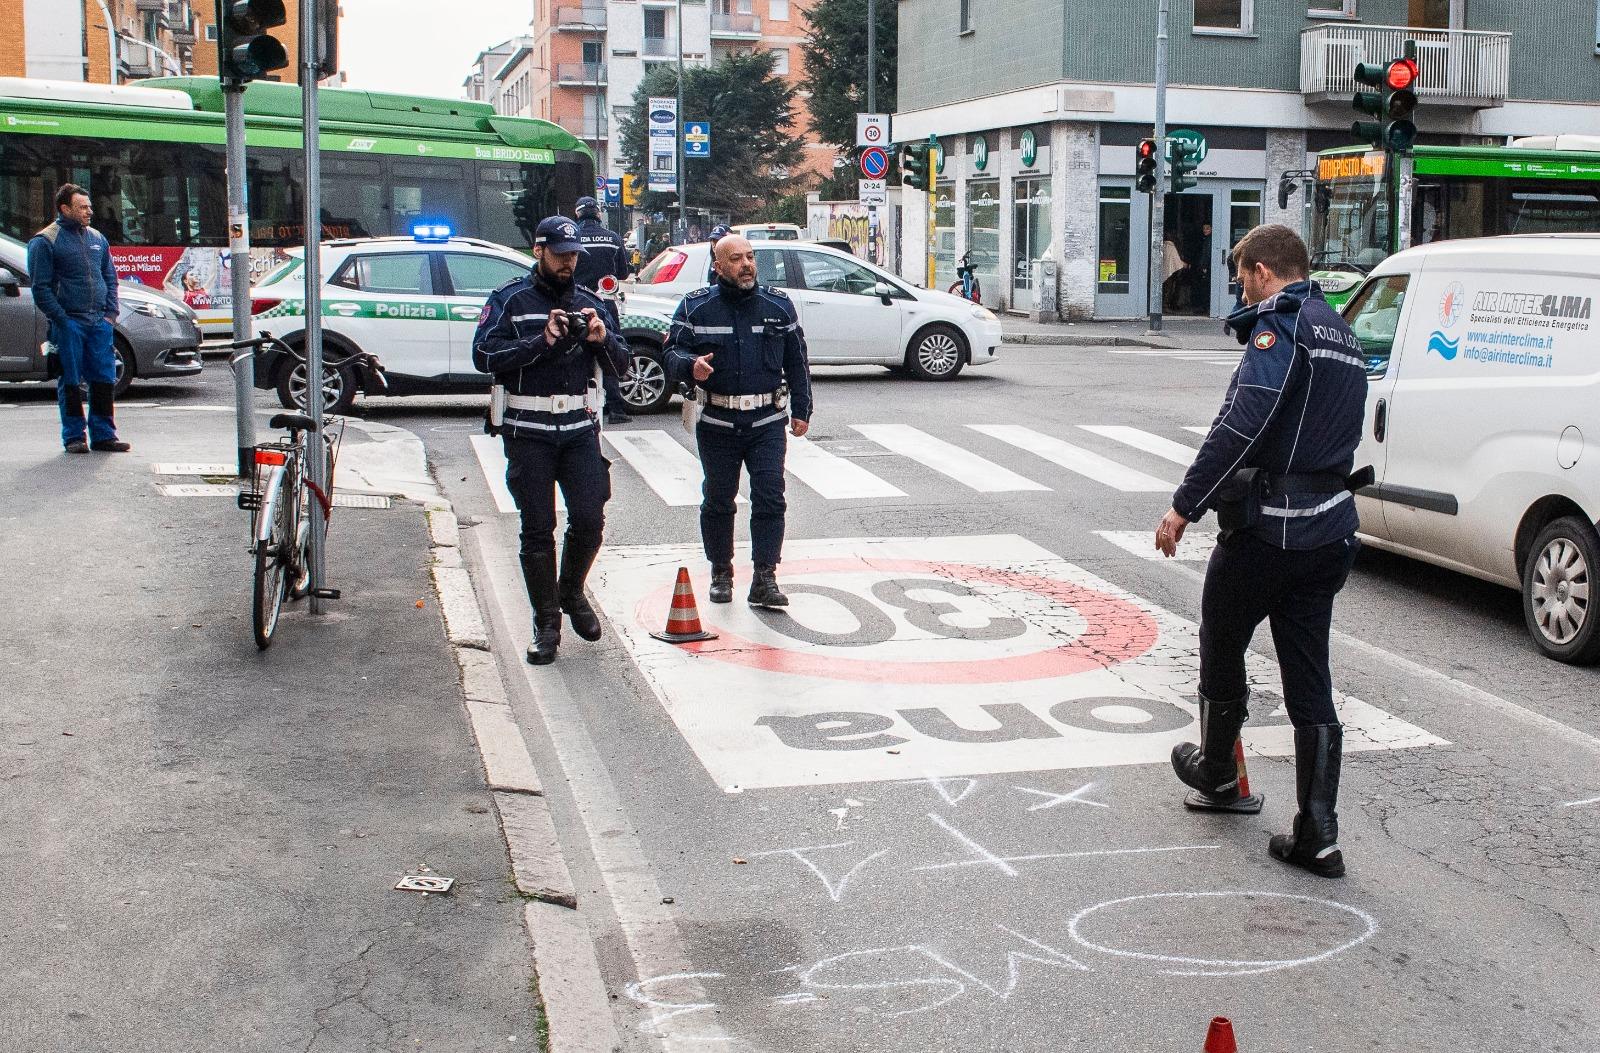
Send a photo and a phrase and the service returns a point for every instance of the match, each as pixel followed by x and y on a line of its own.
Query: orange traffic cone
pixel 1219 1036
pixel 683 620
pixel 1247 804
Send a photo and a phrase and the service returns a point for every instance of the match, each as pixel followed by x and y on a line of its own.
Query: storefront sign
pixel 1030 148
pixel 980 153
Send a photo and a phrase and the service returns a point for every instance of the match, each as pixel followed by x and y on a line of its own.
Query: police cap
pixel 558 234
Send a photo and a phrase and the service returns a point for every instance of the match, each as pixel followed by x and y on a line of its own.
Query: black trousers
pixel 1249 581
pixel 537 464
pixel 725 448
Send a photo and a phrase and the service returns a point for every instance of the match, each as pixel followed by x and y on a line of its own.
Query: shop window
pixel 1116 239
pixel 1244 215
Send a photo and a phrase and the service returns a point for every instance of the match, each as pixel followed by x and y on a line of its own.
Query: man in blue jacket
pixel 1293 415
pixel 741 343
pixel 75 285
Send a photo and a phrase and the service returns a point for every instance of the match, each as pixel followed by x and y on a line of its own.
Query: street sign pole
pixel 683 177
pixel 243 360
pixel 310 124
pixel 933 176
pixel 1158 196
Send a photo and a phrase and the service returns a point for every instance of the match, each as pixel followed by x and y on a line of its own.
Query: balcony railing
pixel 580 73
pixel 659 47
pixel 1459 67
pixel 580 18
pixel 585 127
pixel 735 25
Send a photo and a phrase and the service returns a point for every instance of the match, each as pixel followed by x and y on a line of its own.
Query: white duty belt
pixel 738 402
pixel 554 403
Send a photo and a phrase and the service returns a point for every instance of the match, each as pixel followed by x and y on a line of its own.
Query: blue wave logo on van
pixel 1447 348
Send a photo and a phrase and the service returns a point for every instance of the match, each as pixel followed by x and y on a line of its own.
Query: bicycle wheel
pixel 271 570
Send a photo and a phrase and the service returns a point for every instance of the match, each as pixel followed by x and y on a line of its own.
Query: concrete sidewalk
pixel 1191 334
pixel 204 839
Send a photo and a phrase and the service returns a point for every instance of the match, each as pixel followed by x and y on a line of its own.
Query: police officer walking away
pixel 1276 467
pixel 742 344
pixel 603 254
pixel 544 338
pixel 75 285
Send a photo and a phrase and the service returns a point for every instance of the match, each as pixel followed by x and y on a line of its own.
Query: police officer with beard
pixel 742 344
pixel 604 254
pixel 1276 467
pixel 545 338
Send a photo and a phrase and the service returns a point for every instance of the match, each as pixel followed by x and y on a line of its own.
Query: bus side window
pixel 1374 317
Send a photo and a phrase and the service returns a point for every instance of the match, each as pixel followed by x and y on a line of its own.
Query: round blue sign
pixel 874 162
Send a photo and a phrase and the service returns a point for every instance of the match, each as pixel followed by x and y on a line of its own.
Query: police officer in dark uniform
pixel 603 254
pixel 718 232
pixel 742 344
pixel 1276 467
pixel 544 338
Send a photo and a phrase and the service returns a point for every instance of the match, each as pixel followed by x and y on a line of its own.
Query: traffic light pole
pixel 1158 196
pixel 933 220
pixel 244 360
pixel 311 123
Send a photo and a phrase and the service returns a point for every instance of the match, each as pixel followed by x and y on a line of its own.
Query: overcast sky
pixel 423 47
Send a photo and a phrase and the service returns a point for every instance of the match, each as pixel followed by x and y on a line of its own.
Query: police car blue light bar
pixel 431 232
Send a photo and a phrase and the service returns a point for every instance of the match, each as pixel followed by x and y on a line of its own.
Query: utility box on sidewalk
pixel 1046 297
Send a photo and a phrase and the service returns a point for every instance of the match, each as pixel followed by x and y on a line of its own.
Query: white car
pixel 768 231
pixel 414 303
pixel 853 313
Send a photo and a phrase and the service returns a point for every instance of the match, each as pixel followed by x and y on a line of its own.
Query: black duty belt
pixel 1318 482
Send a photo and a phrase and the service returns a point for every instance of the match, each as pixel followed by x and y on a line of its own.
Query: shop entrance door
pixel 1186 264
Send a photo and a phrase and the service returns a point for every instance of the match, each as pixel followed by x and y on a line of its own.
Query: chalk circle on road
pixel 1263 916
pixel 1109 630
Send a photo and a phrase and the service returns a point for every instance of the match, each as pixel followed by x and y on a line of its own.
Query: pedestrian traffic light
pixel 1392 103
pixel 1147 166
pixel 914 162
pixel 326 33
pixel 244 49
pixel 1185 158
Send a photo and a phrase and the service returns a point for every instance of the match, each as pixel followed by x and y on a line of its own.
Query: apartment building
pixel 1039 107
pixel 503 76
pixel 116 41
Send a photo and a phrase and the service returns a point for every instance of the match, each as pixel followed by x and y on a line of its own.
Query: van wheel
pixel 936 353
pixel 1558 591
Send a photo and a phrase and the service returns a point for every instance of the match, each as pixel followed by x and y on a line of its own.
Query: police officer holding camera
pixel 741 343
pixel 1276 467
pixel 546 340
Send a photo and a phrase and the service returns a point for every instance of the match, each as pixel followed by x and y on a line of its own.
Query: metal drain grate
pixel 361 500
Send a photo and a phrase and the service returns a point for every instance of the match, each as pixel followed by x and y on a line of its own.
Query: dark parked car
pixel 157 336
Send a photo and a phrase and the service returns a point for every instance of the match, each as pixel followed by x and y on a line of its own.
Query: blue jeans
pixel 87 359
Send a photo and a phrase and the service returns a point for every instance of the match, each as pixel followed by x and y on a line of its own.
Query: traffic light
pixel 914 162
pixel 1185 158
pixel 1392 103
pixel 1147 166
pixel 327 38
pixel 244 49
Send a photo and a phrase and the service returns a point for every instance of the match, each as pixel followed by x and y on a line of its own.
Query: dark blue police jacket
pixel 754 337
pixel 510 342
pixel 603 254
pixel 1295 406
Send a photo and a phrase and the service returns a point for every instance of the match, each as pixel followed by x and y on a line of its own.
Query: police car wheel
pixel 1558 591
pixel 124 360
pixel 936 353
pixel 645 388
pixel 338 387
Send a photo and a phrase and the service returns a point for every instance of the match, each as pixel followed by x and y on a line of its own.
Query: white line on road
pixel 492 459
pixel 832 476
pixel 1580 804
pixel 1139 439
pixel 1202 432
pixel 1195 547
pixel 1076 459
pixel 669 469
pixel 963 466
pixel 1040 857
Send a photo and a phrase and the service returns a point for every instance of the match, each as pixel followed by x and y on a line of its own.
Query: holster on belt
pixel 1238 500
pixel 495 417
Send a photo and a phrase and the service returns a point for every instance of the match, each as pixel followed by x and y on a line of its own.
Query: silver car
pixel 157 337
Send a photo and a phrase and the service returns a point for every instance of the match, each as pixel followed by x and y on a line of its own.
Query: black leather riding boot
pixel 575 563
pixel 1314 844
pixel 539 573
pixel 721 583
pixel 764 590
pixel 1209 768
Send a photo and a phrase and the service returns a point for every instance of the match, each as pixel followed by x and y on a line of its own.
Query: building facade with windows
pixel 1039 107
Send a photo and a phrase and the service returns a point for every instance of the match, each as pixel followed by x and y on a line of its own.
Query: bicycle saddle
pixel 292 421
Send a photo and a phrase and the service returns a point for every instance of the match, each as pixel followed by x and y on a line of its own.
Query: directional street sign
pixel 697 138
pixel 872 192
pixel 874 162
pixel 872 129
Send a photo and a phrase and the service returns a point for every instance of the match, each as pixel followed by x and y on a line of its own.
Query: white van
pixel 1483 364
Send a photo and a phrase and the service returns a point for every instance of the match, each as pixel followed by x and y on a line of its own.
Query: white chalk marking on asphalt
pixel 669 469
pixel 191 468
pixel 985 857
pixel 1195 547
pixel 962 465
pixel 492 459
pixel 835 889
pixel 1219 966
pixel 1139 439
pixel 1041 856
pixel 1202 432
pixel 832 476
pixel 1076 459
pixel 939 787
pixel 1580 804
pixel 1053 800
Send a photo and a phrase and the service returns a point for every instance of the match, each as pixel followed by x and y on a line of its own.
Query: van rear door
pixel 1376 314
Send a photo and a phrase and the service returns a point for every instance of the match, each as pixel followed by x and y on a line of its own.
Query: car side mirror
pixel 9 285
pixel 883 292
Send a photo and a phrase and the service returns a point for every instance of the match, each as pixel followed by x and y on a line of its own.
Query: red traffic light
pixel 1147 148
pixel 1402 74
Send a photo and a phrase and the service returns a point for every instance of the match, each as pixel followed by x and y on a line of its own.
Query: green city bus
pixel 1533 186
pixel 152 157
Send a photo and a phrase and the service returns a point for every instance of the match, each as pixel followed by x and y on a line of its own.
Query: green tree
pixel 753 141
pixel 836 66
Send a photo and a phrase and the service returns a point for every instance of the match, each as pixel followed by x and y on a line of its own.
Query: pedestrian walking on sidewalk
pixel 75 285
pixel 603 255
pixel 742 344
pixel 1276 467
pixel 547 341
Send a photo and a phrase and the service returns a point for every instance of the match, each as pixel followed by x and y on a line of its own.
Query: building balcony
pixel 150 5
pixel 580 18
pixel 592 128
pixel 658 48
pixel 1465 68
pixel 739 26
pixel 580 74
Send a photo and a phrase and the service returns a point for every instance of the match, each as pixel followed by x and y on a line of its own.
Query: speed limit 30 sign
pixel 928 656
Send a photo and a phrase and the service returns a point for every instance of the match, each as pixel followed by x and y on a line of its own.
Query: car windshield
pixel 1350 221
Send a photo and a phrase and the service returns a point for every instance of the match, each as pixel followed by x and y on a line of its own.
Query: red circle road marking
pixel 1118 631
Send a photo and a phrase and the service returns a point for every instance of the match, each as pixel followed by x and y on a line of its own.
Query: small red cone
pixel 1219 1037
pixel 1238 760
pixel 683 620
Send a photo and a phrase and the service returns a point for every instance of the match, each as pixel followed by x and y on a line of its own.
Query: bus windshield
pixel 1350 217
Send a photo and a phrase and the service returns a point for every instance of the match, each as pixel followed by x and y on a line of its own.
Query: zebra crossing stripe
pixel 492 459
pixel 832 476
pixel 1139 439
pixel 1075 459
pixel 1202 432
pixel 669 469
pixel 946 458
pixel 1195 547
